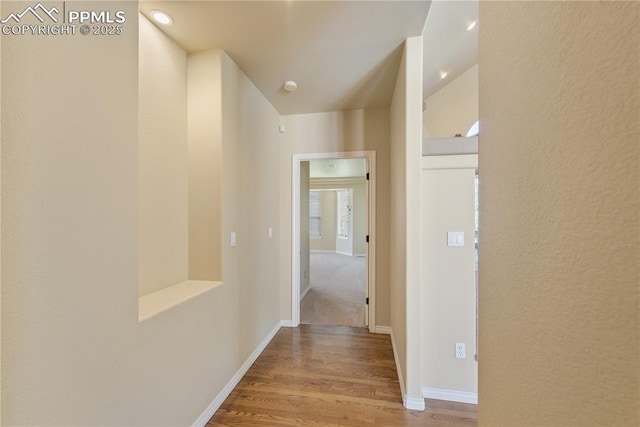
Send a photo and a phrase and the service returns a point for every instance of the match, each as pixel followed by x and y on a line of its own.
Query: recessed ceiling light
pixel 161 17
pixel 472 25
pixel 290 86
pixel 443 74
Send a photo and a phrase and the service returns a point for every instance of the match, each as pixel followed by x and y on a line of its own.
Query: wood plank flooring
pixel 329 376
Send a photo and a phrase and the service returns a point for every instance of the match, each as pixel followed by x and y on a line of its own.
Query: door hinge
pixel 367 239
pixel 367 176
pixel 367 300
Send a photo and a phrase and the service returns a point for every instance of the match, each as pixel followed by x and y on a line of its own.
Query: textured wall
pixel 73 350
pixel 205 171
pixel 163 216
pixel 559 211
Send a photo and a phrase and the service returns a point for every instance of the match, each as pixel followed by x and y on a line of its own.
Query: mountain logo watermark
pixel 33 10
pixel 43 20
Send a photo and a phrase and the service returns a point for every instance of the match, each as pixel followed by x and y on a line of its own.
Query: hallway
pixel 330 375
pixel 337 291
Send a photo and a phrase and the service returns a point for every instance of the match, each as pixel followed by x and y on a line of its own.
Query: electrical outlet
pixel 460 351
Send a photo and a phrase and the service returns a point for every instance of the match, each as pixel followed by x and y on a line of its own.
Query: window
pixel 474 129
pixel 315 214
pixel 344 214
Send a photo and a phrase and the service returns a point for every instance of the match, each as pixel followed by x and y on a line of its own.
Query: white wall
pixel 163 215
pixel 337 132
pixel 70 250
pixel 559 214
pixel 406 149
pixel 448 273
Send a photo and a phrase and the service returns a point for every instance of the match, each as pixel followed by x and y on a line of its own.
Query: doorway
pixel 305 223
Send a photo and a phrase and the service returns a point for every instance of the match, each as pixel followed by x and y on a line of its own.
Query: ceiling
pixel 343 54
pixel 448 46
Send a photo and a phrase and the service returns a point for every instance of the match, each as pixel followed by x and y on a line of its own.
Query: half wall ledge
pixel 152 304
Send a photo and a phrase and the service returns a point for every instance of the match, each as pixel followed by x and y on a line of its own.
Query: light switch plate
pixel 455 238
pixel 234 241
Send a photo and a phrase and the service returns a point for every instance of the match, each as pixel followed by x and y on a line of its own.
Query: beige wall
pixel 329 214
pixel 454 108
pixel 250 163
pixel 559 214
pixel 328 223
pixel 336 132
pixel 70 257
pixel 205 141
pixel 163 216
pixel 448 273
pixel 406 149
pixel 398 220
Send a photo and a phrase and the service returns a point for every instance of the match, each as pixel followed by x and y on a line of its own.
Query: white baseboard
pixel 344 253
pixel 415 403
pixel 450 395
pixel 321 251
pixel 408 402
pixel 204 418
pixel 306 291
pixel 383 330
pixel 287 324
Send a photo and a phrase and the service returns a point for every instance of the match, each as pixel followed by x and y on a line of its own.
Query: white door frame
pixel 370 157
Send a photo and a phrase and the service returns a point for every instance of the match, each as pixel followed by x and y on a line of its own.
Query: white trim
pixel 450 395
pixel 287 324
pixel 304 294
pixel 462 161
pixel 336 181
pixel 408 402
pixel 370 156
pixel 204 418
pixel 321 251
pixel 415 403
pixel 383 330
pixel 344 253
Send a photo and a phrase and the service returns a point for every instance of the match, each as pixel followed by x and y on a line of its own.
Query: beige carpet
pixel 337 294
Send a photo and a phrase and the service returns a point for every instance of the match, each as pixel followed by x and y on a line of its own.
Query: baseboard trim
pixel 306 291
pixel 414 403
pixel 344 253
pixel 321 251
pixel 204 418
pixel 383 330
pixel 287 324
pixel 450 395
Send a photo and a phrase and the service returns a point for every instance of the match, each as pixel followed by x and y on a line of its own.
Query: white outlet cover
pixel 233 239
pixel 460 351
pixel 455 238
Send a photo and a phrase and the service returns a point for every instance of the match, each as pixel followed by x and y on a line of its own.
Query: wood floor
pixel 329 375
